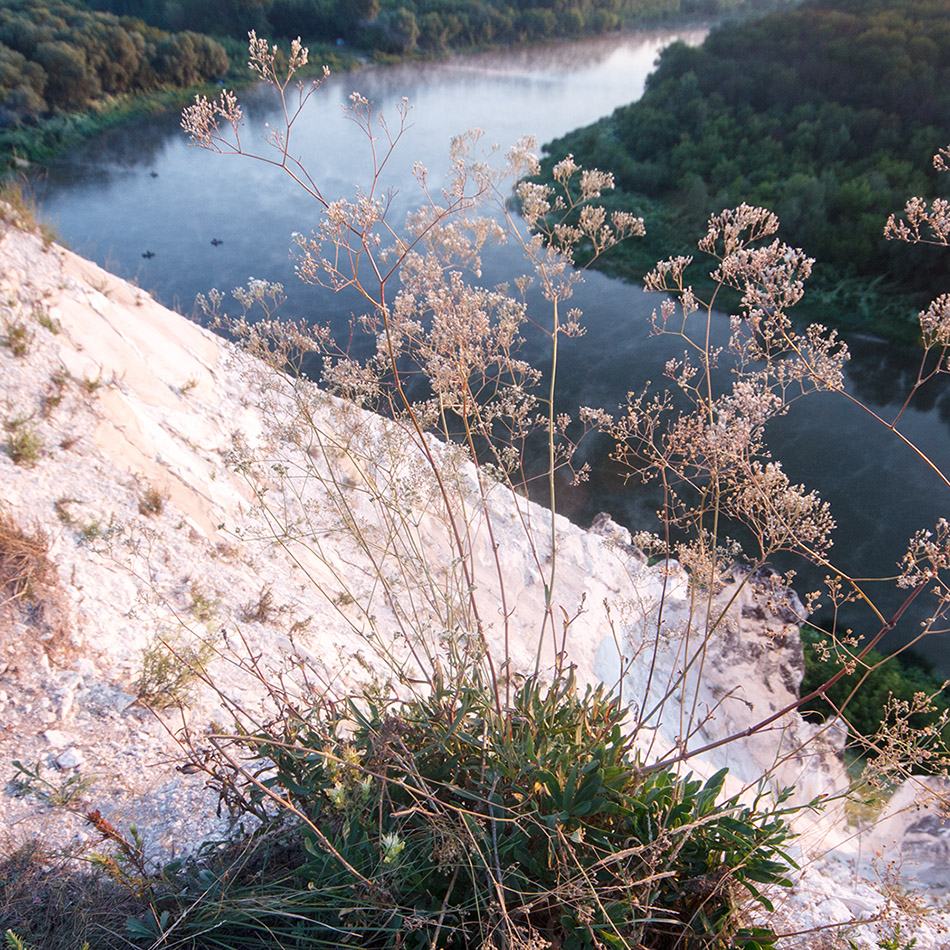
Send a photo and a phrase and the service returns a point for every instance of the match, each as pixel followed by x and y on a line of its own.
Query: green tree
pixel 189 58
pixel 400 30
pixel 70 83
pixel 21 84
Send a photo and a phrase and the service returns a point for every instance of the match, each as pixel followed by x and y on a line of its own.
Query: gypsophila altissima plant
pixel 467 796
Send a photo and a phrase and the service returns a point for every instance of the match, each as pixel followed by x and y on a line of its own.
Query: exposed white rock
pixel 57 739
pixel 159 443
pixel 913 831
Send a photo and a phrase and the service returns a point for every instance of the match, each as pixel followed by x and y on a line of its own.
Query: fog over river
pixel 141 188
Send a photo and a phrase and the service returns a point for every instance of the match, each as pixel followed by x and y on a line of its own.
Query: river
pixel 140 188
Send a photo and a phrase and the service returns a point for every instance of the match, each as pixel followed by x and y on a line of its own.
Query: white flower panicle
pixel 922 223
pixel 204 122
pixel 935 322
pixel 736 228
pixel 928 555
pixel 262 59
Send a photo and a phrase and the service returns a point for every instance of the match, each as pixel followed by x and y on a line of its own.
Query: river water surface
pixel 141 188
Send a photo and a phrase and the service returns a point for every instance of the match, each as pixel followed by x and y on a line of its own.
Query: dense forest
pixel 58 55
pixel 404 26
pixel 68 66
pixel 63 67
pixel 827 114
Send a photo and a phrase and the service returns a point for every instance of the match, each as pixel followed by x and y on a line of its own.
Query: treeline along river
pixel 141 190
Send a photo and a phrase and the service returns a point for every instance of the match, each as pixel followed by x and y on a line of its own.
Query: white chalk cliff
pixel 156 444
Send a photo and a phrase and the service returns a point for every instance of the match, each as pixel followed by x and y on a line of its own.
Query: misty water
pixel 141 188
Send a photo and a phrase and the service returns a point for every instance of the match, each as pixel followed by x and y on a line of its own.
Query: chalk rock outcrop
pixel 187 496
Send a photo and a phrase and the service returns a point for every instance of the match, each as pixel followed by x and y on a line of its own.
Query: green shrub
pixel 16 337
pixel 171 668
pixel 24 444
pixel 451 821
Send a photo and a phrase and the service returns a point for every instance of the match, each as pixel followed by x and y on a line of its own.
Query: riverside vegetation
pixel 463 797
pixel 60 61
pixel 409 26
pixel 68 68
pixel 827 114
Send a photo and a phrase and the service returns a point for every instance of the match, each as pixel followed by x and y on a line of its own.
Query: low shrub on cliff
pixel 453 821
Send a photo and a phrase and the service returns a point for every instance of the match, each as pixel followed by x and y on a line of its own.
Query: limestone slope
pixel 193 498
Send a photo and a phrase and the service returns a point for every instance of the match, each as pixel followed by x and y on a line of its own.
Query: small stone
pixel 70 759
pixel 70 679
pixel 57 739
pixel 66 701
pixel 117 701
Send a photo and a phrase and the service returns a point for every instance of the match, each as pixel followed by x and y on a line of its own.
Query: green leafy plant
pixel 17 337
pixel 67 791
pixel 172 666
pixel 897 941
pixel 45 319
pixel 442 821
pixel 54 393
pixel 15 942
pixel 24 444
pixel 96 529
pixel 204 606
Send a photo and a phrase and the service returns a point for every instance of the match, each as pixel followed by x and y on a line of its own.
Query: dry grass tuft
pixel 151 501
pixel 49 901
pixel 25 568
